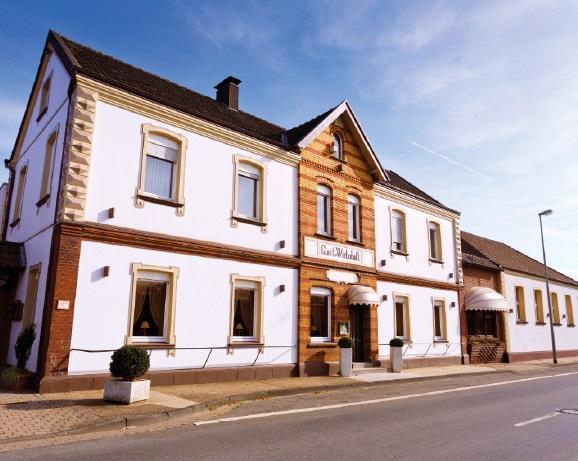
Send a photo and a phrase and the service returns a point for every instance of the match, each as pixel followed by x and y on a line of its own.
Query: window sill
pixel 160 200
pixel 15 222
pixel 320 344
pixel 152 345
pixel 42 201
pixel 540 323
pixel 521 322
pixel 245 344
pixel 557 324
pixel 325 236
pixel 398 252
pixel 246 220
pixel 356 243
pixel 436 261
pixel 570 325
pixel 441 341
pixel 41 114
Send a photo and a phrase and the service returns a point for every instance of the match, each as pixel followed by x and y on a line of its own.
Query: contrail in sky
pixel 467 168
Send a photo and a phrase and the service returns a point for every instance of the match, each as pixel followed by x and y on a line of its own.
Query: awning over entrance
pixel 485 299
pixel 359 295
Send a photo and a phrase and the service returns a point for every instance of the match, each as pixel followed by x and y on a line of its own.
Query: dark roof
pixel 509 258
pixel 398 183
pixel 12 255
pixel 470 255
pixel 94 64
pixel 296 134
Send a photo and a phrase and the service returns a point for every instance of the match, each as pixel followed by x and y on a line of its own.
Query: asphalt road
pixel 422 421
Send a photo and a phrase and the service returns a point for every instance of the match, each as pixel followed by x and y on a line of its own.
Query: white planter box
pixel 395 359
pixel 345 361
pixel 127 391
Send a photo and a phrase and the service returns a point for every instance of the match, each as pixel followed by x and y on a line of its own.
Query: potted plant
pixel 395 355
pixel 127 365
pixel 18 378
pixel 345 356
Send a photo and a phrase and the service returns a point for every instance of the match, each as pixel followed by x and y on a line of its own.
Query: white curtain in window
pixel 353 216
pixel 160 165
pixel 397 230
pixel 323 209
pixel 248 190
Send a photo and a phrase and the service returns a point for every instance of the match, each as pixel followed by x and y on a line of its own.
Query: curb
pixel 172 415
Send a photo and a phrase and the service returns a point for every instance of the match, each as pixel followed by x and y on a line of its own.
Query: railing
pixel 448 346
pixel 260 349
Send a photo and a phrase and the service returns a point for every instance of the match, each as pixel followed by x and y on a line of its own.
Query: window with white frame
pixel 152 304
pixel 439 319
pixel 246 315
pixel 401 314
pixel 353 213
pixel 435 241
pixel 320 326
pixel 337 146
pixel 248 177
pixel 49 153
pixel 398 240
pixel 323 209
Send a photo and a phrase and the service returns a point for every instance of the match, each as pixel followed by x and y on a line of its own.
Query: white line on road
pixel 536 420
pixel 385 399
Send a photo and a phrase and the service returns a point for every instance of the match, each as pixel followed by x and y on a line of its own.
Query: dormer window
pixel 337 150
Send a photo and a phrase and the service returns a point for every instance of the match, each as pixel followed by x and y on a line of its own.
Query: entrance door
pixel 356 315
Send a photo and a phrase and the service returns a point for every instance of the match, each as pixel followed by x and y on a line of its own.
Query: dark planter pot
pixel 24 382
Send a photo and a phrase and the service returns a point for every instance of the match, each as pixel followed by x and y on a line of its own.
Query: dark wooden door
pixel 356 317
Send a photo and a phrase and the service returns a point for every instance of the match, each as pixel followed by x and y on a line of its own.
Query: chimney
pixel 228 92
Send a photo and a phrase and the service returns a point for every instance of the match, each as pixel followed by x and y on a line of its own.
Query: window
pixel 44 97
pixel 555 309
pixel 249 201
pixel 569 311
pixel 401 320
pixel 482 323
pixel 520 305
pixel 323 209
pixel 29 312
pixel 19 195
pixel 353 209
pixel 398 235
pixel 337 150
pixel 46 172
pixel 162 168
pixel 439 319
pixel 152 304
pixel 435 241
pixel 539 304
pixel 247 310
pixel 320 329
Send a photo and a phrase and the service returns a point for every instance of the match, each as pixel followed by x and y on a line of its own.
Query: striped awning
pixel 362 295
pixel 485 299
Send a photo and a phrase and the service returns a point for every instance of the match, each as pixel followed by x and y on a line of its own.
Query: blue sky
pixel 475 102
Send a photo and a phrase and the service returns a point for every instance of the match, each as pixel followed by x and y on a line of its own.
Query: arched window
pixel 435 241
pixel 337 146
pixel 323 209
pixel 250 188
pixel 353 212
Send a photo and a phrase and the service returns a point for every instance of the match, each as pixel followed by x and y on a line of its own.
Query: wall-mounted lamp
pixel 282 244
pixel 383 262
pixel 451 275
pixel 384 298
pixel 453 304
pixel 106 271
pixel 110 213
pixel 281 288
pixel 511 311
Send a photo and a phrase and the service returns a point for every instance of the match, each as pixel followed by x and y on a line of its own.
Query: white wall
pixel 421 318
pixel 37 251
pixel 203 306
pixel 417 263
pixel 531 337
pixel 208 191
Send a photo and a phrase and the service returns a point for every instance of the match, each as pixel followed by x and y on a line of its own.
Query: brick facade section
pixel 61 285
pixel 343 177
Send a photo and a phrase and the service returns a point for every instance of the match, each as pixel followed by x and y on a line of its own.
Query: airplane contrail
pixel 467 168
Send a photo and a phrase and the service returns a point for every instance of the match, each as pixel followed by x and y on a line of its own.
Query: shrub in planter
pixel 345 342
pixel 396 342
pixel 17 377
pixel 129 363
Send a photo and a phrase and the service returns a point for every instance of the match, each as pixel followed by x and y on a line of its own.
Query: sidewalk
pixel 33 416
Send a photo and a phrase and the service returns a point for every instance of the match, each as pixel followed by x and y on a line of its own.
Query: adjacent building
pixel 141 212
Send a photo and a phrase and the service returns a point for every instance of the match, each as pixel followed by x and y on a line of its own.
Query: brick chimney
pixel 228 92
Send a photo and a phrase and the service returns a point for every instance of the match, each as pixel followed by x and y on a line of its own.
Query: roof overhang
pixel 344 109
pixel 360 295
pixel 485 299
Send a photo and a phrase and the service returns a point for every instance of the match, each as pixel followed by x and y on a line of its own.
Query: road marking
pixel 373 401
pixel 536 420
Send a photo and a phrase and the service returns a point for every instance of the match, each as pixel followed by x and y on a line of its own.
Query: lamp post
pixel 554 356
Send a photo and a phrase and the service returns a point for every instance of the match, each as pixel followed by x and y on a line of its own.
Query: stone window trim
pixel 444 326
pixel 352 196
pixel 331 234
pixel 48 167
pixel 393 250
pixel 19 198
pixel 259 336
pixel 438 226
pixel 261 219
pixel 343 138
pixel 406 297
pixel 321 341
pixel 170 338
pixel 178 202
pixel 44 96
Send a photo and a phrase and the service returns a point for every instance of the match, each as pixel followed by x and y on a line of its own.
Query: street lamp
pixel 554 357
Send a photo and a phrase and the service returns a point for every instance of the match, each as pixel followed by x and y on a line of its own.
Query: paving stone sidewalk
pixel 27 415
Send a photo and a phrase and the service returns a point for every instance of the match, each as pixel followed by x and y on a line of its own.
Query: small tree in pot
pixel 128 364
pixel 345 356
pixel 18 378
pixel 395 355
